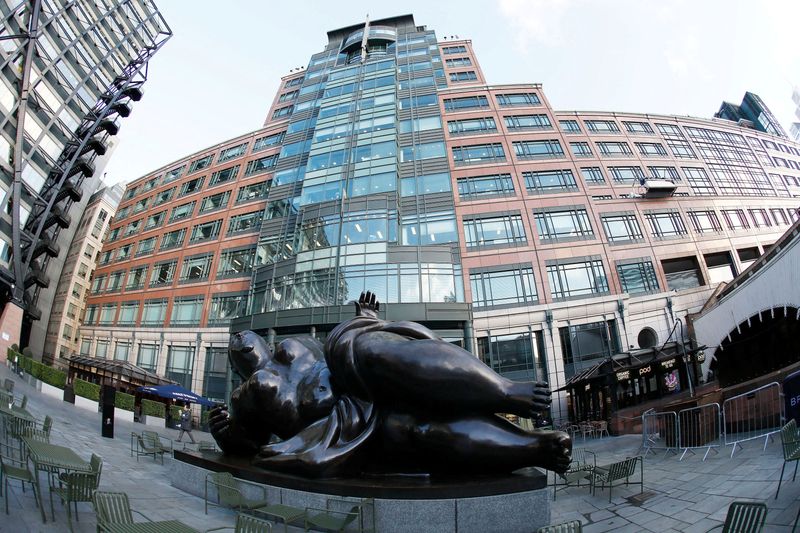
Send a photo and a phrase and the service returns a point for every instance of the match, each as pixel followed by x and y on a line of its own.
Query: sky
pixel 216 77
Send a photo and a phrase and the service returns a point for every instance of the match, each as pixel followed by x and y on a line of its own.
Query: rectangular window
pixel 200 164
pixel 115 281
pixel 86 347
pixel 477 187
pixel 332 159
pixel 262 143
pixel 458 62
pixel 154 221
pixel 478 153
pixel 180 362
pixel 173 239
pixel 538 149
pixel 669 130
pixel 88 252
pixel 254 191
pixel 154 312
pixel 148 357
pixel 651 149
pixel 735 219
pixel 123 253
pixel 133 227
pixel 163 196
pixel 97 284
pixel 592 175
pixel 163 273
pixel 245 222
pixel 528 122
pixel 264 164
pixel 140 206
pixel 427 229
pixel 454 50
pixel 580 149
pixel 285 97
pixel 226 307
pixel 699 181
pixel 101 352
pixel 223 176
pixel 127 314
pixel 511 287
pixel 186 311
pixel 518 357
pixel 580 278
pixel 91 314
pixel 282 112
pixel 601 126
pixel 682 273
pixel 472 126
pixel 567 224
pixel 214 202
pixel 665 173
pixel 638 128
pixel 570 126
pixel 637 276
pixel 410 186
pixel 504 230
pixel 196 268
pixel 614 149
pixel 467 102
pixel 236 263
pixel 666 224
pixel 423 100
pixel 411 125
pixel 107 313
pixel 136 278
pixel 623 227
pixel 549 181
pixel 681 149
pixel 517 99
pixel 779 216
pixel 468 75
pixel 760 218
pixel 419 152
pixel 627 174
pixel 206 231
pixel 584 345
pixel 174 174
pixel 705 221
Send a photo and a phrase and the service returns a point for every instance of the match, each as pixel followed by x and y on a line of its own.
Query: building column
pixel 10 327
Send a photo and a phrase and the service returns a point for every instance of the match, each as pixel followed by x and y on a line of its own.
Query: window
pixel 105 257
pixel 151 184
pixel 669 130
pixel 206 231
pixel 638 127
pixel 681 149
pixel 665 173
pixel 282 112
pixel 699 181
pixel 477 187
pixel 83 269
pixel 114 234
pixel 570 126
pixel 245 222
pixel 163 273
pixel 186 311
pixel 278 208
pixel 429 228
pixel 580 149
pixel 180 362
pixel 627 174
pixel 163 196
pixel 88 252
pixel 705 221
pixel 224 175
pixel 407 126
pixel 472 126
pixel 501 230
pixel 478 153
pixel 224 308
pixel 424 100
pixel 173 239
pixel 517 99
pixel 332 159
pixel 467 102
pixel 285 97
pixel 254 191
pixel 413 185
pixel 519 356
pixel 666 224
pixel 651 149
pixel 576 278
pixel 174 174
pixel 779 216
pixel 458 62
pixel 601 126
pixel 527 122
pixel 214 202
pixel 115 281
pixel 682 273
pixel 192 186
pixel 564 224
pixel 621 227
pixel 419 152
pixel 107 313
pixel 261 165
pixel 235 263
pixel 735 219
pixel 468 75
pixel 148 357
pixel 133 227
pixel 509 286
pixel 182 211
pixel 101 352
pixel 582 346
pixel 98 283
pixel 262 143
pixel 91 314
pixel 760 218
pixel 67 332
pixel 548 181
pixel 613 149
pixel 538 149
pixel 136 278
pixel 196 268
pixel 200 164
pixel 454 50
pixel 154 313
pixel 86 347
pixel 154 221
pixel 72 311
pixel 127 315
pixel 592 175
pixel 637 276
pixel 122 213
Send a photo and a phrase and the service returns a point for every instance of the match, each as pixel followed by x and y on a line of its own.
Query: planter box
pixel 122 414
pixel 154 421
pixel 53 392
pixel 89 405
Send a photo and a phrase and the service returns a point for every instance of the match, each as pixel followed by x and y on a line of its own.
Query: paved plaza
pixel 690 495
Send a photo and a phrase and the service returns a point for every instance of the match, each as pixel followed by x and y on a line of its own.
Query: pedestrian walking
pixel 186 423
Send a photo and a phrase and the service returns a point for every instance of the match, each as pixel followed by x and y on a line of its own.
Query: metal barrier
pixel 660 431
pixel 753 415
pixel 699 428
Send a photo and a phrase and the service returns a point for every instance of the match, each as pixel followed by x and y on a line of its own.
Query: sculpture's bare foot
pixel 554 450
pixel 527 399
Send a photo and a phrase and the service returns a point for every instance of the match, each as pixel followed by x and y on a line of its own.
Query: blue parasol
pixel 176 392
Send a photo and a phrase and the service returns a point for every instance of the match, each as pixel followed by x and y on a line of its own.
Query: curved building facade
pixel 541 240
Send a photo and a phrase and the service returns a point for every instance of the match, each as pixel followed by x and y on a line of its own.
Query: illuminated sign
pixel 645 370
pixel 622 376
pixel 666 365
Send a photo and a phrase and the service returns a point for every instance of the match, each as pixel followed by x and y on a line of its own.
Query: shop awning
pixel 176 392
pixel 116 370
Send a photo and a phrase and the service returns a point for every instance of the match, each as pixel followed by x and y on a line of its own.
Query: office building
pixel 70 71
pixel 543 241
pixel 752 113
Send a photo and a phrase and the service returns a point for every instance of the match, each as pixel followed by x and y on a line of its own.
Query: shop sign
pixel 667 365
pixel 645 370
pixel 587 387
pixel 622 376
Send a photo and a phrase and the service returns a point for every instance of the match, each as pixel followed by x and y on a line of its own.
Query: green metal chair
pixel 113 508
pixel 11 468
pixel 150 443
pixel 74 487
pixel 790 441
pixel 336 520
pixel 40 433
pixel 96 462
pixel 229 492
pixel 581 468
pixel 744 517
pixel 247 524
pixel 573 526
pixel 619 471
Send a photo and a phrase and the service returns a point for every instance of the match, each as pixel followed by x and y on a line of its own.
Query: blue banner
pixel 791 394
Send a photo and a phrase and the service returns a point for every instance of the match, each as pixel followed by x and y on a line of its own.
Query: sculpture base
pixel 507 503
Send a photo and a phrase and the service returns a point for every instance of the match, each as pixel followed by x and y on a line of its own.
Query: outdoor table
pixel 52 458
pixel 166 526
pixel 19 418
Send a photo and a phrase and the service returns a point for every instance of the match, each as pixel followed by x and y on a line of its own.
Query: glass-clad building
pixel 543 241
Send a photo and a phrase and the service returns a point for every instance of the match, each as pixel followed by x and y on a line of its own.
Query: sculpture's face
pixel 247 352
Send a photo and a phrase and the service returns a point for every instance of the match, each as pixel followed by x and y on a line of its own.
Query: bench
pixel 619 471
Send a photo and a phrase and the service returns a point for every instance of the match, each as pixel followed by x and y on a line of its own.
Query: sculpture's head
pixel 248 352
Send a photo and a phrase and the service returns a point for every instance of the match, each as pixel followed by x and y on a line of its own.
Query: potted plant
pixel 124 406
pixel 153 413
pixel 87 395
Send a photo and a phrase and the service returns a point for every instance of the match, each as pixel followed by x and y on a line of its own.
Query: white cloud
pixel 534 21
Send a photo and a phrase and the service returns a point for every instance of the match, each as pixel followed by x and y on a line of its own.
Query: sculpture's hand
pixel 219 421
pixel 367 305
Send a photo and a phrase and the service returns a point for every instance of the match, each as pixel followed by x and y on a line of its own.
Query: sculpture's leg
pixel 488 443
pixel 440 376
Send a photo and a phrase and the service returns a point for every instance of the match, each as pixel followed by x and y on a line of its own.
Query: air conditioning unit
pixel 658 188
